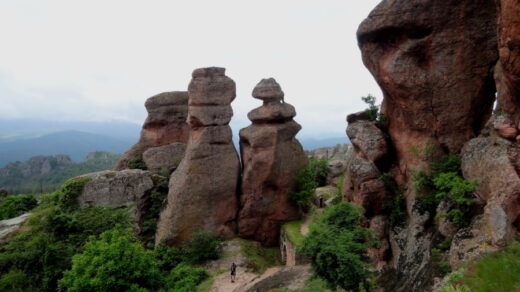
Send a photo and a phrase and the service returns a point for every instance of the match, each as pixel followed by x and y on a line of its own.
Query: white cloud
pixel 101 59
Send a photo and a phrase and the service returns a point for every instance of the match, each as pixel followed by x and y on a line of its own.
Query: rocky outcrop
pixel 9 227
pixel 434 62
pixel 271 157
pixel 338 152
pixel 203 189
pixel 118 189
pixel 165 124
pixel 507 73
pixel 36 165
pixel 167 157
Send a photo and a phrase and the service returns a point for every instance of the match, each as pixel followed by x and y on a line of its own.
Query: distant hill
pixel 312 143
pixel 47 173
pixel 75 144
pixel 17 129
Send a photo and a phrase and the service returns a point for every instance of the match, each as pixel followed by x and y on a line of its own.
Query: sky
pixel 100 60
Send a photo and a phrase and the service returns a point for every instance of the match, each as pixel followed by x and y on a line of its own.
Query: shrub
pixel 66 196
pixel 445 182
pixel 337 245
pixel 184 278
pixel 137 163
pixel 311 176
pixel 114 262
pixel 14 206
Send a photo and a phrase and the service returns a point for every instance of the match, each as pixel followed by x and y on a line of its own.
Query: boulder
pixel 337 169
pixel 203 190
pixel 363 187
pixel 9 227
pixel 165 124
pixel 164 157
pixel 338 152
pixel 493 163
pixel 368 139
pixel 118 189
pixel 271 157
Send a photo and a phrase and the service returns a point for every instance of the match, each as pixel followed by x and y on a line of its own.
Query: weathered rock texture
pixel 116 189
pixel 165 124
pixel 434 61
pixel 203 189
pixel 271 157
pixel 164 157
pixel 508 69
pixel 9 227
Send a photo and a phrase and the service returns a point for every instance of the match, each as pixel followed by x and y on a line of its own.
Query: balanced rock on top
pixel 271 157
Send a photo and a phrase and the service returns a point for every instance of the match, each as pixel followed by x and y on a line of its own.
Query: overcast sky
pixel 100 60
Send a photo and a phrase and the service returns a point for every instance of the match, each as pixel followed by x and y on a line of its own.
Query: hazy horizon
pixel 100 61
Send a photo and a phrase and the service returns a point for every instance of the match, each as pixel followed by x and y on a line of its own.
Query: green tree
pixel 13 206
pixel 311 176
pixel 337 245
pixel 114 262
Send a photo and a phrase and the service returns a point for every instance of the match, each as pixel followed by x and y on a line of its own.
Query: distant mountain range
pixel 24 138
pixel 47 173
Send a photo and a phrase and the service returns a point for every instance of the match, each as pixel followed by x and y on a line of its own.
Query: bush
pixel 184 278
pixel 14 206
pixel 203 247
pixel 137 163
pixel 66 196
pixel 114 262
pixel 311 176
pixel 445 183
pixel 44 252
pixel 337 246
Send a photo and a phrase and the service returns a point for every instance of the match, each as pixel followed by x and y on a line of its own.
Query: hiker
pixel 321 201
pixel 233 272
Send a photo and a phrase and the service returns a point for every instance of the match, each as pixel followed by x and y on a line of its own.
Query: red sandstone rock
pixel 203 189
pixel 271 157
pixel 165 124
pixel 433 60
pixel 508 69
pixel 506 131
pixel 368 139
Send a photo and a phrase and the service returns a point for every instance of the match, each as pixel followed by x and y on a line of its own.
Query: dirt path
pixel 308 220
pixel 223 282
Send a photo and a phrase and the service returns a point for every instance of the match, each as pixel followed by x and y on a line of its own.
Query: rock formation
pixel 165 124
pixel 434 62
pixel 271 157
pixel 116 189
pixel 165 157
pixel 203 189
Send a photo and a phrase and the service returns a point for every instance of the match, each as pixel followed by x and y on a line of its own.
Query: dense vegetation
pixel 71 249
pixel 496 271
pixel 13 179
pixel 444 182
pixel 337 246
pixel 13 206
pixel 312 175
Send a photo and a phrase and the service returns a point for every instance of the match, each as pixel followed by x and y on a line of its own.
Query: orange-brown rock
pixel 271 157
pixel 434 62
pixel 508 69
pixel 165 124
pixel 203 190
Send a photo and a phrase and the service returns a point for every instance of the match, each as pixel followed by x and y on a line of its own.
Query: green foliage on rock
pixel 395 207
pixel 444 182
pixel 14 206
pixel 260 257
pixel 495 271
pixel 337 246
pixel 137 163
pixel 68 193
pixel 312 175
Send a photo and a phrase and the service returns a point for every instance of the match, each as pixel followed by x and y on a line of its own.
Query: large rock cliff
pixel 271 156
pixel 203 190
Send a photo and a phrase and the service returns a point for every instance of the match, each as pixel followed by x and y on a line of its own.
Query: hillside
pixel 75 144
pixel 47 173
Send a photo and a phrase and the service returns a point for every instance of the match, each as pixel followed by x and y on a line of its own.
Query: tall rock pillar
pixel 271 157
pixel 203 190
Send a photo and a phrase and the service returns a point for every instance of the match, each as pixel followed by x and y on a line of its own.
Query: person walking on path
pixel 233 272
